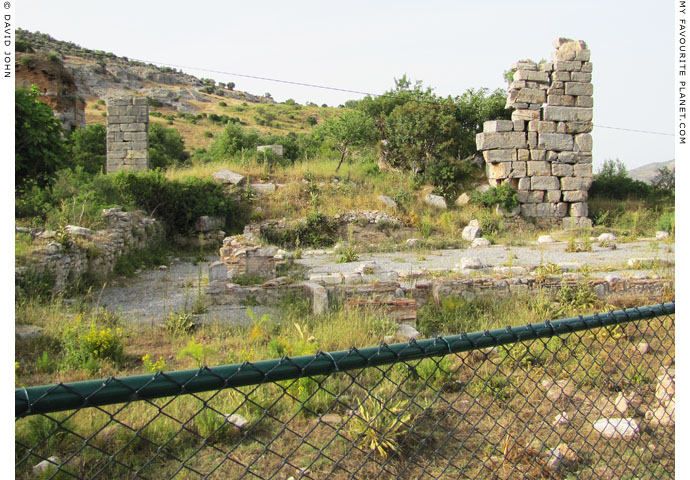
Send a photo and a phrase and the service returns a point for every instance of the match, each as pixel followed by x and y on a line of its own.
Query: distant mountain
pixel 646 173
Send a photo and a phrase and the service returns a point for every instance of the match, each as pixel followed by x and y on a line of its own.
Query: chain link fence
pixel 586 397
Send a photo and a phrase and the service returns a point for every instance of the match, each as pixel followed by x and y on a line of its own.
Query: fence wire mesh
pixel 588 397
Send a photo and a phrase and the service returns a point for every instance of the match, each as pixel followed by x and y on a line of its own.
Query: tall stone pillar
pixel 128 134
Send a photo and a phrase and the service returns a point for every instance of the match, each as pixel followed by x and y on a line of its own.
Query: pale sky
pixel 362 46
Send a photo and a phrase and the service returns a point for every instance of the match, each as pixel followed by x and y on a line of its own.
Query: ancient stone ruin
pixel 545 150
pixel 128 134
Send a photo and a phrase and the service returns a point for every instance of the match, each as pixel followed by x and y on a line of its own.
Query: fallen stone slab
pixel 480 242
pixel 660 235
pixel 607 237
pixel 264 188
pixel 612 428
pixel 78 231
pixel 25 332
pixel 435 201
pixel 387 201
pixel 229 177
pixel 545 239
pixel 237 420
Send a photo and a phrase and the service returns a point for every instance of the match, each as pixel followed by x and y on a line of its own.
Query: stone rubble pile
pixel 545 150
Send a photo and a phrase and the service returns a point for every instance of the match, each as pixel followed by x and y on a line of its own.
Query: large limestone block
pixel 567 66
pixel 527 95
pixel 538 168
pixel 583 142
pixel 584 77
pixel 547 183
pixel 531 76
pixel 582 101
pixel 542 126
pixel 578 209
pixel 493 126
pixel 561 100
pixel 575 196
pixel 583 170
pixel 578 88
pixel 498 170
pixel 574 183
pixel 562 170
pixel 554 196
pixel 567 114
pixel 490 141
pixel 518 170
pixel 556 141
pixel 586 67
pixel 495 156
pixel 577 127
pixel 526 115
pixel 538 155
pixel 528 209
pixel 525 183
pixel 524 65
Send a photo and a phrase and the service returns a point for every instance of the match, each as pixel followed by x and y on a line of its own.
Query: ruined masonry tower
pixel 545 151
pixel 128 134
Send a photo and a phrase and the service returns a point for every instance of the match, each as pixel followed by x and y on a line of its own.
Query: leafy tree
pixel 665 179
pixel 88 147
pixel 166 146
pixel 349 131
pixel 40 148
pixel 311 120
pixel 231 85
pixel 613 181
pixel 233 139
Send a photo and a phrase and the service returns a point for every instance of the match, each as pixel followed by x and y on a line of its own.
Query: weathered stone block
pixel 546 209
pixel 567 66
pixel 119 101
pixel 519 170
pixel 135 136
pixel 561 76
pixel 140 101
pixel 546 67
pixel 519 125
pixel 586 67
pixel 528 209
pixel 133 127
pixel 583 170
pixel 555 91
pixel 583 77
pixel 523 195
pixel 562 170
pixel 561 209
pixel 489 141
pixel 535 196
pixel 571 223
pixel 532 140
pixel 526 115
pixel 117 146
pixel 114 136
pixel 554 196
pixel 538 168
pixel 578 209
pixel 567 114
pixel 517 84
pixel 498 170
pixel 116 110
pixel 139 145
pixel 493 126
pixel 531 76
pixel 555 141
pixel 583 142
pixel 582 101
pixel 495 156
pixel 523 154
pixel 561 100
pixel 578 127
pixel 542 126
pixel 139 110
pixel 575 196
pixel 524 65
pixel 524 183
pixel 575 183
pixel 527 95
pixel 547 183
pixel 539 155
pixel 120 154
pixel 579 88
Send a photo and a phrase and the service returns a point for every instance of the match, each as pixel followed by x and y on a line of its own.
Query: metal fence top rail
pixel 92 393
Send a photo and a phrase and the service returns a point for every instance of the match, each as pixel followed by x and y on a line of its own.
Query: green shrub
pixel 40 149
pixel 88 148
pixel 317 230
pixel 613 182
pixel 667 222
pixel 504 195
pixel 222 104
pixel 83 345
pixel 447 175
pixel 166 147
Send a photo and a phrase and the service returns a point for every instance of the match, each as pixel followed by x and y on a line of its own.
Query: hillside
pixel 175 98
pixel 646 173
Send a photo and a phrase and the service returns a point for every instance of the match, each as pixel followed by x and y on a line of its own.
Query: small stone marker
pixel 471 232
pixel 545 239
pixel 660 235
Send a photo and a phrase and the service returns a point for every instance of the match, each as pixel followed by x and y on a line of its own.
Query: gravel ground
pixel 152 294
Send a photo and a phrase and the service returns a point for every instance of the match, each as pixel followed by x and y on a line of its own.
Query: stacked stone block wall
pixel 545 150
pixel 128 134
